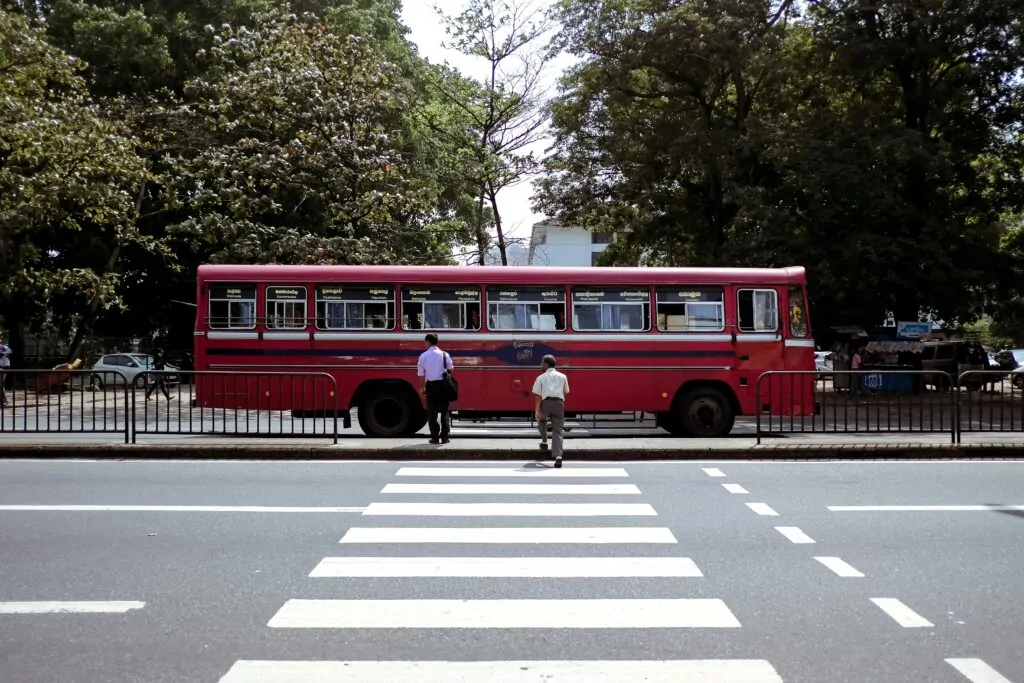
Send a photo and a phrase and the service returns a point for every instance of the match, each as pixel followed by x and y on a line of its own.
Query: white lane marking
pixel 901 614
pixel 512 509
pixel 713 472
pixel 840 567
pixel 734 488
pixel 517 489
pixel 614 671
pixel 172 508
pixel 506 567
pixel 543 473
pixel 794 534
pixel 680 613
pixel 977 671
pixel 763 509
pixel 924 508
pixel 70 607
pixel 510 535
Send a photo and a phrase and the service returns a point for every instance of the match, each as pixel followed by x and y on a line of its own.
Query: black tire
pixel 390 414
pixel 97 381
pixel 1018 381
pixel 706 413
pixel 139 382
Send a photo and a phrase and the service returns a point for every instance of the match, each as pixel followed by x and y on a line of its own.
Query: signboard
pixel 440 293
pixel 690 295
pixel 512 293
pixel 599 295
pixel 233 292
pixel 908 330
pixel 286 293
pixel 355 293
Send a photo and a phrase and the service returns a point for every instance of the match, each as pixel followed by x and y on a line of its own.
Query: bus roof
pixel 486 275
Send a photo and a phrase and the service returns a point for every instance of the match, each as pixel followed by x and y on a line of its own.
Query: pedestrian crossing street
pixel 394 549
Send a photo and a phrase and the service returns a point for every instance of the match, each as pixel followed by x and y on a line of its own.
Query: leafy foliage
pixel 307 159
pixel 68 181
pixel 876 144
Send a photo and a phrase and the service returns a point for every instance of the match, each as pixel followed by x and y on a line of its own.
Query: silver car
pixel 131 365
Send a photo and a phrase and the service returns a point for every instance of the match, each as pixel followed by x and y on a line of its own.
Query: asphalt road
pixel 753 572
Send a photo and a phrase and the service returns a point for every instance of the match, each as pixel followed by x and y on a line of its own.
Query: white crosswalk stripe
pixel 525 552
pixel 500 535
pixel 506 567
pixel 614 671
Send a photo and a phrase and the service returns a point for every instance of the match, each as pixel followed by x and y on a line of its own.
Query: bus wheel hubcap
pixel 705 413
pixel 388 413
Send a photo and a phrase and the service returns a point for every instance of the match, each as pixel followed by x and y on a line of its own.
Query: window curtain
pixel 335 315
pixel 355 316
pixel 245 314
pixel 433 316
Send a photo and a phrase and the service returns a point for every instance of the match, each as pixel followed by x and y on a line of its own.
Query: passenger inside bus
pixel 440 315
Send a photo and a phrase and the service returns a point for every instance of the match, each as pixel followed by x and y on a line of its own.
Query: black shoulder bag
pixel 451 385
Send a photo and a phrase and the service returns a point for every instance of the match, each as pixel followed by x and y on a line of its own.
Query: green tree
pixel 306 156
pixel 875 144
pixel 504 115
pixel 68 176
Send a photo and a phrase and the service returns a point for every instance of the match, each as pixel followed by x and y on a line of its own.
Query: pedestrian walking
pixel 159 365
pixel 432 367
pixel 5 364
pixel 549 392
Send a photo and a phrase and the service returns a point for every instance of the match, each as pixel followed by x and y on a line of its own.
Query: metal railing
pixel 65 401
pixel 990 401
pixel 888 402
pixel 255 404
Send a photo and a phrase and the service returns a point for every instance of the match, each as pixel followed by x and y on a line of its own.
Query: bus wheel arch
pixel 701 409
pixel 388 408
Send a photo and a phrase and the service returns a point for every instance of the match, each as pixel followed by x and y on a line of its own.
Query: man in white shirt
pixel 549 392
pixel 432 365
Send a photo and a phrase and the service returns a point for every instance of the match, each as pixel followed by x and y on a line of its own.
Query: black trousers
pixel 437 407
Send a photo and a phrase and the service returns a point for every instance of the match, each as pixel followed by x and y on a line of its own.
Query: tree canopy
pixel 878 144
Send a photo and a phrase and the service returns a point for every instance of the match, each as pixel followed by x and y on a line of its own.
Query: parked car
pixel 1018 374
pixel 131 365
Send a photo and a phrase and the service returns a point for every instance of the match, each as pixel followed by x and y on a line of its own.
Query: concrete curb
pixel 922 451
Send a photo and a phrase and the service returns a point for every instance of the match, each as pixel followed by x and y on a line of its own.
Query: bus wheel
pixel 707 413
pixel 387 415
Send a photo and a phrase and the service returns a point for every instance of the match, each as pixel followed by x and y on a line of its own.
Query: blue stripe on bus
pixel 414 353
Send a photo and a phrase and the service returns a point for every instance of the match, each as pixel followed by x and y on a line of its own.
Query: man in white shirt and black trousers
pixel 549 392
pixel 432 365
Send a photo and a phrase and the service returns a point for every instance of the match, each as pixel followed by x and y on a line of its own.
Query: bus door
pixel 798 350
pixel 758 344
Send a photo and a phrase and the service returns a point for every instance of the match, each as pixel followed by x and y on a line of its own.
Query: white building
pixel 554 244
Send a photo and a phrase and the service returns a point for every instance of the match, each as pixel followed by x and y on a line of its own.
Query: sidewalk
pixel 806 446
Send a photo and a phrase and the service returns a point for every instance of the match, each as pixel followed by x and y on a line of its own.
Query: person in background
pixel 431 366
pixel 549 392
pixel 5 365
pixel 159 365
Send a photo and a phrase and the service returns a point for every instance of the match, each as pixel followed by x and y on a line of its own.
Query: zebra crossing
pixel 383 547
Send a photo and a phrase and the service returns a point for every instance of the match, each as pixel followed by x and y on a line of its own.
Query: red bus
pixel 686 344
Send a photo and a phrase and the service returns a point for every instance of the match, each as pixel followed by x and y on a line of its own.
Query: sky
pixel 427 32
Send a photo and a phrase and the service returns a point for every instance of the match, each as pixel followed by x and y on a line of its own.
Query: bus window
pixel 510 307
pixel 690 309
pixel 797 312
pixel 286 308
pixel 440 307
pixel 232 307
pixel 758 310
pixel 604 309
pixel 355 307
